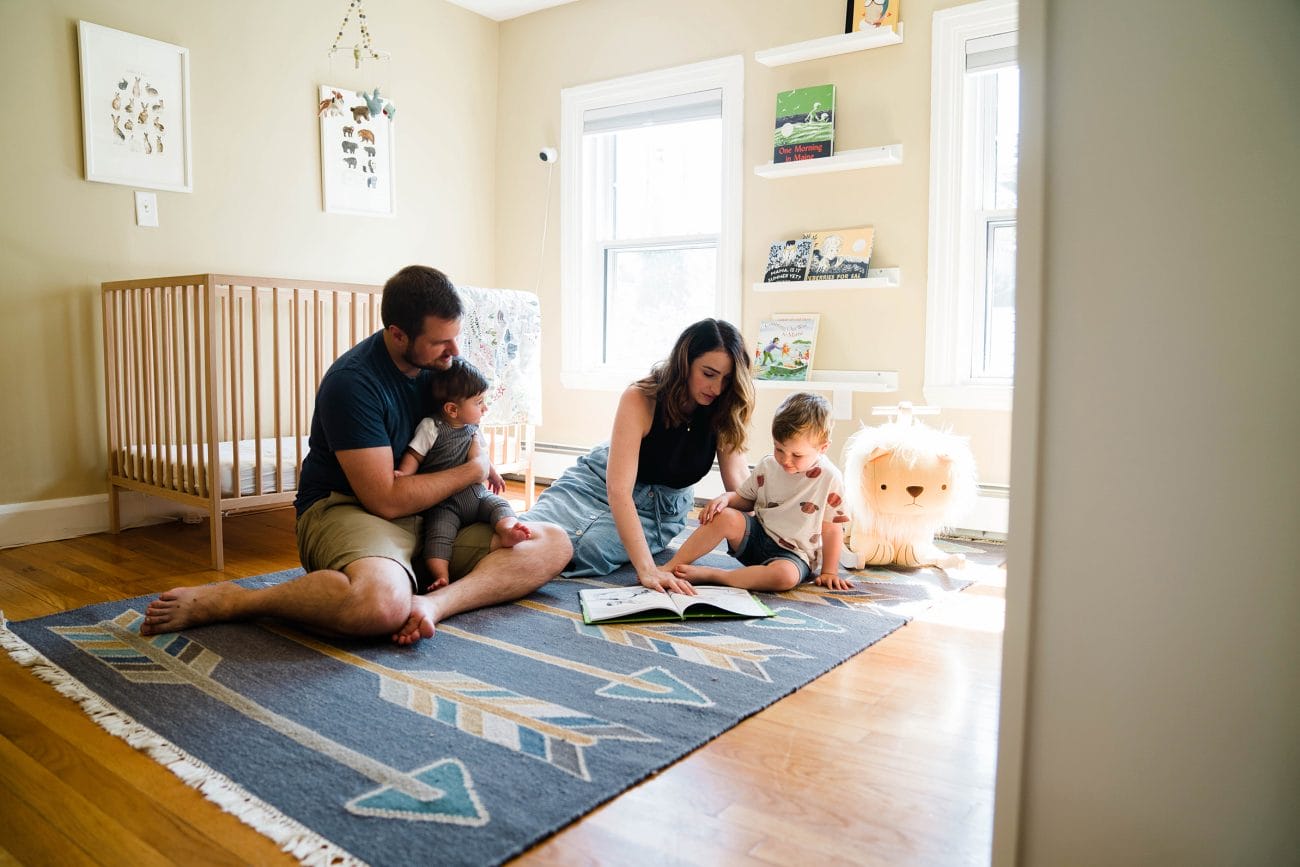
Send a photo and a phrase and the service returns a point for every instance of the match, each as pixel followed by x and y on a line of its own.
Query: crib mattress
pixel 184 462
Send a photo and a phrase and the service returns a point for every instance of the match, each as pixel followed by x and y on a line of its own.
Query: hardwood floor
pixel 887 759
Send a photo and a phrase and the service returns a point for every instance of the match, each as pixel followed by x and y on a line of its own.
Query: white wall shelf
pixel 842 384
pixel 877 278
pixel 828 46
pixel 863 158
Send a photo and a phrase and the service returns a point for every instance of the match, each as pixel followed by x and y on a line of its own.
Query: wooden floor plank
pixel 73 814
pixel 886 759
pixel 112 770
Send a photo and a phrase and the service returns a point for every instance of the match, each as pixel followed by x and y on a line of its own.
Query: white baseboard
pixel 49 520
pixel 987 518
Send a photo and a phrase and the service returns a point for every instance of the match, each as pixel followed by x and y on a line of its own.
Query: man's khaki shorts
pixel 337 531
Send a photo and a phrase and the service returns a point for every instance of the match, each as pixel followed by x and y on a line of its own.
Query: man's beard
pixel 440 363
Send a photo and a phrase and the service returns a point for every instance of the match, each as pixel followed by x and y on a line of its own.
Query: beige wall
pixel 883 97
pixel 470 188
pixel 1155 616
pixel 256 204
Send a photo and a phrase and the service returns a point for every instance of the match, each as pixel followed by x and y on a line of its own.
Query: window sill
pixel 990 397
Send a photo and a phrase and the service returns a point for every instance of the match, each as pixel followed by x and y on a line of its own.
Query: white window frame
pixel 950 329
pixel 576 275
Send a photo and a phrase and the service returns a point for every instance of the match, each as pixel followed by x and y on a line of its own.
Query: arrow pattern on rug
pixel 531 726
pixel 461 806
pixel 799 621
pixel 649 684
pixel 681 640
pixel 175 659
pixel 856 600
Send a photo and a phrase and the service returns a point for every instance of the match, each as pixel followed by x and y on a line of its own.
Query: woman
pixel 626 500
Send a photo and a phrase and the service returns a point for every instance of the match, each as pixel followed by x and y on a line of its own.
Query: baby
pixel 797 496
pixel 441 442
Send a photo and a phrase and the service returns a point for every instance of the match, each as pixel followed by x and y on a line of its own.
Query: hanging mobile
pixel 362 48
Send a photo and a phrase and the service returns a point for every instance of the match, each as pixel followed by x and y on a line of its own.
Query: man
pixel 358 522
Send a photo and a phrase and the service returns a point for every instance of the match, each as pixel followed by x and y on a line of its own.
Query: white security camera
pixel 548 155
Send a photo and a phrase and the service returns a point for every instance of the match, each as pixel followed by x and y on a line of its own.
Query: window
pixel 650 216
pixel 975 109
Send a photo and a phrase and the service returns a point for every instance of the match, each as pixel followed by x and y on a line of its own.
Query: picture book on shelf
pixel 635 604
pixel 805 124
pixel 784 349
pixel 841 254
pixel 788 260
pixel 868 15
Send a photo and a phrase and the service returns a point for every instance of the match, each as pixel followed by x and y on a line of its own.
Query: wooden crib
pixel 210 381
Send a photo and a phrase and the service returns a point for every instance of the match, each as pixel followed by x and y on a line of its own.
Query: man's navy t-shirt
pixel 363 402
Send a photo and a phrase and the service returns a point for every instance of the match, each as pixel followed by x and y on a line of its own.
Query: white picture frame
pixel 356 150
pixel 149 146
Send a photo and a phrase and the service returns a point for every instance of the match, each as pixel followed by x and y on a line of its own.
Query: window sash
pixel 983 335
pixel 958 249
pixel 585 246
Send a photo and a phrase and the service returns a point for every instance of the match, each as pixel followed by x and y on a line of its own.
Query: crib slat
pixel 277 431
pixel 336 325
pixel 255 306
pixel 203 393
pixel 320 338
pixel 212 326
pixel 141 433
pixel 111 338
pixel 151 376
pixel 187 388
pixel 295 377
pixel 168 401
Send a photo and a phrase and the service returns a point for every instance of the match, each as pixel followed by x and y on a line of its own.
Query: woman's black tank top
pixel 678 456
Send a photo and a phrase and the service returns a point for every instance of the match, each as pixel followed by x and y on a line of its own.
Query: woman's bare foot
pixel 700 574
pixel 511 531
pixel 421 623
pixel 183 607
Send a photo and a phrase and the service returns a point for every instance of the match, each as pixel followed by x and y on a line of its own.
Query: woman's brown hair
pixel 669 381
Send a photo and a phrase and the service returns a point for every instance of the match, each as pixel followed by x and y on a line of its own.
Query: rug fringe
pixel 304 844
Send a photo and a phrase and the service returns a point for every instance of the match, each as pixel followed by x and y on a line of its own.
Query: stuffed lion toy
pixel 904 481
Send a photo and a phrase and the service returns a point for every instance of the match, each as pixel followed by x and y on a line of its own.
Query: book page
pixel 735 600
pixel 613 602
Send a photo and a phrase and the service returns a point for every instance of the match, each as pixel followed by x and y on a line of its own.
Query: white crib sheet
pixel 247 463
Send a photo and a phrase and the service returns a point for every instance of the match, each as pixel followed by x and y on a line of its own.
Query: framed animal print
pixel 356 152
pixel 135 115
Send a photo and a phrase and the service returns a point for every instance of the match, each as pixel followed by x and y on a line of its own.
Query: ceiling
pixel 501 10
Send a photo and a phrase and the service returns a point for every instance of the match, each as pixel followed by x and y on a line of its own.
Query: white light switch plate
pixel 146 209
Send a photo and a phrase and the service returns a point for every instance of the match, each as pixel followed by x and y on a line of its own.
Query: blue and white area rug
pixel 508 725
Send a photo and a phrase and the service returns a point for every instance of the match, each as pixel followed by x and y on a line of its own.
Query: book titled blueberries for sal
pixel 805 124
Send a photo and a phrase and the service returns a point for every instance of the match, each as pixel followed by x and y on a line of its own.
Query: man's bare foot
pixel 183 607
pixel 699 574
pixel 421 623
pixel 440 570
pixel 511 531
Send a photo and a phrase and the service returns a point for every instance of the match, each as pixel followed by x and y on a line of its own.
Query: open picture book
pixel 633 604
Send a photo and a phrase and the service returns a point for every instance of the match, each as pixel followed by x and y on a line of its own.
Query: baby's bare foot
pixel 441 571
pixel 511 531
